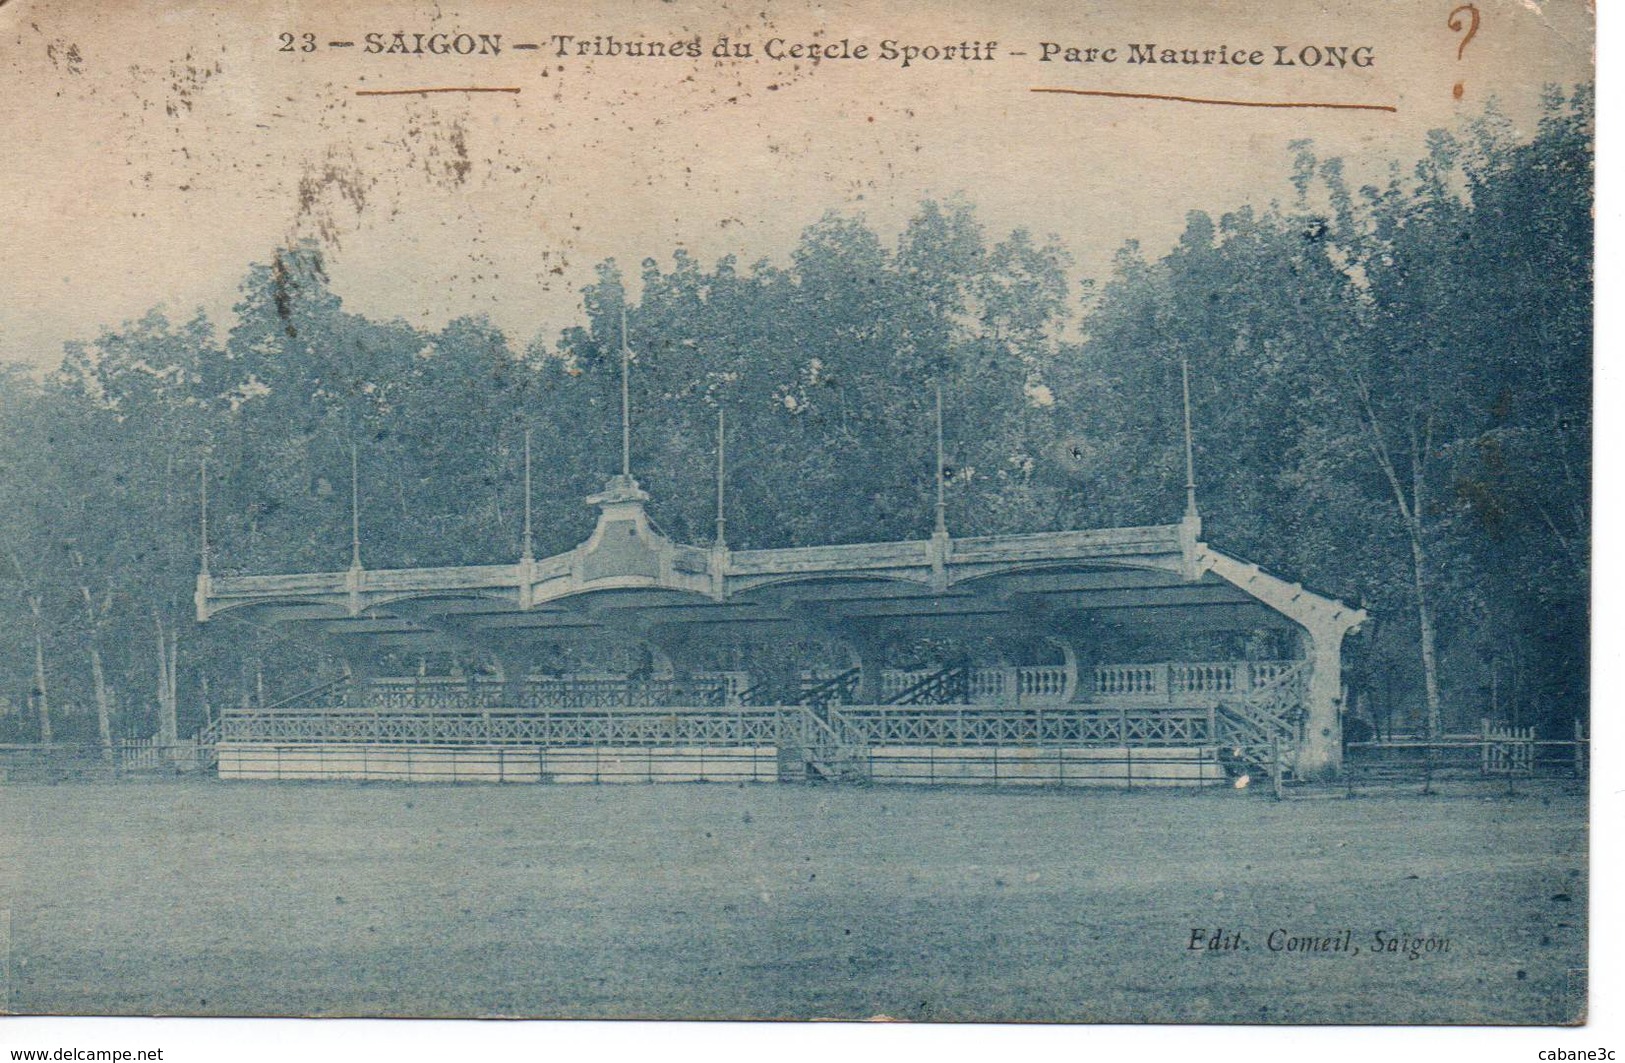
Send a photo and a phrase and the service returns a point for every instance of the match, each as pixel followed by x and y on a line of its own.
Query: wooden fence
pixel 914 744
pixel 1496 751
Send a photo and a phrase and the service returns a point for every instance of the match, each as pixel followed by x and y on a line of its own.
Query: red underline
pixel 423 92
pixel 1221 103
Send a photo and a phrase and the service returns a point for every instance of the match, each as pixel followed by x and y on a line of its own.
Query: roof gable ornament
pixel 623 544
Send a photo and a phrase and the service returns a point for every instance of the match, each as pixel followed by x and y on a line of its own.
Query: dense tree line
pixel 1391 390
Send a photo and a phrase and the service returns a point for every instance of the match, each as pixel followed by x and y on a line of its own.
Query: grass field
pixel 708 901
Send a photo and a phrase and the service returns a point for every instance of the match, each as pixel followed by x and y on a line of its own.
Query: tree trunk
pixel 1411 510
pixel 42 702
pixel 104 701
pixel 1424 624
pixel 98 674
pixel 1424 607
pixel 36 609
pixel 168 724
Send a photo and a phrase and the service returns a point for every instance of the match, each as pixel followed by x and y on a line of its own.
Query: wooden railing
pixel 829 732
pixel 632 728
pixel 1080 726
pixel 1495 750
pixel 433 693
pixel 140 754
pixel 144 755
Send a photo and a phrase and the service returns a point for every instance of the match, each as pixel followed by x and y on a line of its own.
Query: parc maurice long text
pixel 903 54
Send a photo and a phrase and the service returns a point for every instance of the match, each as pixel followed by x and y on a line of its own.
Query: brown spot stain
pixel 285 283
pixel 460 164
pixel 69 53
pixel 281 296
pixel 335 181
pixel 441 149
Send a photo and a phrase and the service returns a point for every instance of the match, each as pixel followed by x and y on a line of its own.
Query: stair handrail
pixel 940 682
pixel 750 694
pixel 316 691
pixel 826 690
pixel 850 734
pixel 1264 728
pixel 1257 700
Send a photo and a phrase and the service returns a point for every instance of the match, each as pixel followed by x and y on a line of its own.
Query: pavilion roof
pixel 629 579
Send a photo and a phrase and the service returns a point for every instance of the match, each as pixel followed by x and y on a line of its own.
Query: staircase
pixel 321 696
pixel 1264 726
pixel 840 689
pixel 827 746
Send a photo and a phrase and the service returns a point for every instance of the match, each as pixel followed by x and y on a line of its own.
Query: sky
pixel 153 150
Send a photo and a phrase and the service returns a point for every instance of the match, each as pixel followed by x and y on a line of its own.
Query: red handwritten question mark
pixel 1456 24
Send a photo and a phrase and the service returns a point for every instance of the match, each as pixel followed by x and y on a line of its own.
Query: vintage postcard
pixel 960 512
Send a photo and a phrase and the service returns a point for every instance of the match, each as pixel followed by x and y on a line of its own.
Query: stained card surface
pixel 952 512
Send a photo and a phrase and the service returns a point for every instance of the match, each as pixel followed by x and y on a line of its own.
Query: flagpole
pixel 1190 457
pixel 626 401
pixel 722 518
pixel 355 508
pixel 530 549
pixel 203 515
pixel 942 496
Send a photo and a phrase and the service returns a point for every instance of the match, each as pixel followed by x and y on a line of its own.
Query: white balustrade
pixel 1131 680
pixel 1164 683
pixel 1262 673
pixel 988 685
pixel 1216 677
pixel 1185 679
pixel 1042 682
